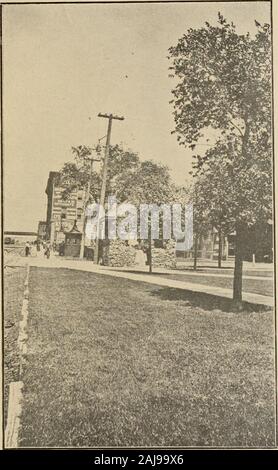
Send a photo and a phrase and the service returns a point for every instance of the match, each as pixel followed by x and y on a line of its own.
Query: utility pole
pixel 110 118
pixel 87 195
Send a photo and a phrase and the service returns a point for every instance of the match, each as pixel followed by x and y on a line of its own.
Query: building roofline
pixel 19 233
pixel 52 175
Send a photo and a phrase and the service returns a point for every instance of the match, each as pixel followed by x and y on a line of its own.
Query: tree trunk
pixel 239 241
pixel 239 246
pixel 82 247
pixel 219 248
pixel 195 253
pixel 150 255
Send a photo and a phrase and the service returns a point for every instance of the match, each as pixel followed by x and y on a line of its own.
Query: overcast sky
pixel 63 64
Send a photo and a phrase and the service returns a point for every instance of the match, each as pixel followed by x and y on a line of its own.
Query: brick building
pixel 41 230
pixel 208 247
pixel 61 212
pixel 258 243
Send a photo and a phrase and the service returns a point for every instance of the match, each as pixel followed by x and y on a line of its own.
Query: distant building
pixel 19 238
pixel 41 230
pixel 62 212
pixel 259 242
pixel 208 247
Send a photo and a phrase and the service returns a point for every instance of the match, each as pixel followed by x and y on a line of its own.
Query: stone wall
pixel 116 253
pixel 164 257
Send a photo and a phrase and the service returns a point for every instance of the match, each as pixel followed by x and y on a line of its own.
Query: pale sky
pixel 63 64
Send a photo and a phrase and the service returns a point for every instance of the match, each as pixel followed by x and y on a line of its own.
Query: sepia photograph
pixel 138 227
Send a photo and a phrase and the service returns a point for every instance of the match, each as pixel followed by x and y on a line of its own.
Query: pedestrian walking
pixel 62 248
pixel 27 249
pixel 47 251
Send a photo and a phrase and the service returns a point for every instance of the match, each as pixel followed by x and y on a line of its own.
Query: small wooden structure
pixel 73 242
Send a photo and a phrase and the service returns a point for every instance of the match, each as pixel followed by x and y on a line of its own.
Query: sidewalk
pixel 211 265
pixel 180 272
pixel 142 276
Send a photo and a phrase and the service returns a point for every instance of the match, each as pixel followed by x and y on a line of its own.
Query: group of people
pixel 39 246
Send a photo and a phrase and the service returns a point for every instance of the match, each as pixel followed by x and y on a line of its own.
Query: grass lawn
pixel 256 286
pixel 13 297
pixel 114 362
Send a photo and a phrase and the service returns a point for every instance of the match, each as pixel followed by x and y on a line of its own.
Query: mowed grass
pixel 113 362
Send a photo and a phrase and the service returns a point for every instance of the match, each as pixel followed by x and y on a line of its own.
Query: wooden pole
pixel 110 118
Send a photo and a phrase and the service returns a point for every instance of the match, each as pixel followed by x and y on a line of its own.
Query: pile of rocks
pixel 164 257
pixel 116 253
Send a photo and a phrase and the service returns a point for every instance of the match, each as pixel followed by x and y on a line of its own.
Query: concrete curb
pixel 15 388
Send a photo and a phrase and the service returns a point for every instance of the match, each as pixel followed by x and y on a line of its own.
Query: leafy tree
pixel 224 83
pixel 128 179
pixel 217 191
pixel 121 163
pixel 79 174
pixel 76 175
pixel 149 183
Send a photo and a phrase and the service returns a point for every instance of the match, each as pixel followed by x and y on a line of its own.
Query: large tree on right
pixel 224 87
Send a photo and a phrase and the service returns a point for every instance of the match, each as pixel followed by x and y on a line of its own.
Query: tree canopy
pixel 223 83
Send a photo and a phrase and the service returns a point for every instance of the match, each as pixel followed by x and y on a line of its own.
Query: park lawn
pixel 14 278
pixel 115 362
pixel 255 286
